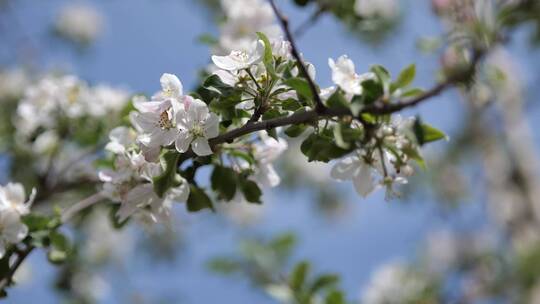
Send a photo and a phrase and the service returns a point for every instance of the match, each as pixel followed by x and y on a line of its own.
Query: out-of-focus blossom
pixel 13 82
pixel 243 19
pixel 13 205
pixel 394 283
pixel 386 9
pixel 265 154
pixel 80 23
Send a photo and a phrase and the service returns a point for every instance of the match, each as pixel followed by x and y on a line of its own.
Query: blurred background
pixel 463 232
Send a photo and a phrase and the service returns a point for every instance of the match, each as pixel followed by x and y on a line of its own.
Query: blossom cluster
pixel 13 205
pixel 247 85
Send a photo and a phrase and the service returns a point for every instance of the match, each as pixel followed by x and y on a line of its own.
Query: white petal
pixel 201 147
pixel 198 110
pixel 225 63
pixel 211 126
pixel 183 141
pixel 171 83
pixel 345 168
pixel 363 181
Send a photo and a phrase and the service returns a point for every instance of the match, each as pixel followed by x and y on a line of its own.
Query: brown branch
pixel 21 256
pixel 319 106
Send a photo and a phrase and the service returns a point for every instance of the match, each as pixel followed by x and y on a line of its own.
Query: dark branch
pixel 319 106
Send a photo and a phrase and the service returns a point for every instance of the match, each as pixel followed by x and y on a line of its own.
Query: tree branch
pixel 319 106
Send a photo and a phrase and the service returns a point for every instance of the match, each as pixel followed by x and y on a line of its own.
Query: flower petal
pixel 201 147
pixel 183 141
pixel 211 126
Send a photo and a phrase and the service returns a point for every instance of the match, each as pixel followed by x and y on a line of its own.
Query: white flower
pixel 121 138
pixel 13 82
pixel 12 230
pixel 79 22
pixel 386 9
pixel 171 87
pixel 355 169
pixel 243 19
pixel 265 153
pixel 239 59
pixel 103 99
pixel 394 284
pixel 12 197
pixel 345 76
pixel 281 49
pixel 196 126
pixel 13 205
pixel 155 122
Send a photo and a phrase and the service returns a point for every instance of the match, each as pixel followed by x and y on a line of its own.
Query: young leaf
pixel 163 182
pixel 299 275
pixel 252 192
pixel 198 200
pixel 301 87
pixel 405 77
pixel 224 181
pixel 295 130
pixel 425 133
pixel 268 59
pixel 337 101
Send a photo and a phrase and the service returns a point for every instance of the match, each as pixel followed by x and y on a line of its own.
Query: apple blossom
pixel 12 197
pixel 196 125
pixel 345 76
pixel 265 153
pixel 240 59
pixel 80 23
pixel 12 230
pixel 356 169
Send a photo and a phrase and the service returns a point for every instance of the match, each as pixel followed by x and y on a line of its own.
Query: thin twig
pixel 21 256
pixel 85 203
pixel 319 106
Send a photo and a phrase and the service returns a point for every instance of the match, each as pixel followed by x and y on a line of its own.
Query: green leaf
pixel 252 192
pixel 412 92
pixel 198 200
pixel 338 101
pixel 224 265
pixel 295 130
pixel 299 276
pixel 382 74
pixel 169 163
pixel 321 147
pixel 335 297
pixel 60 248
pixel 323 281
pixel 405 77
pixel 339 138
pixel 371 91
pixel 207 39
pixel 36 222
pixel 301 86
pixel 425 133
pixel 291 105
pixel 224 182
pixel 213 82
pixel 268 59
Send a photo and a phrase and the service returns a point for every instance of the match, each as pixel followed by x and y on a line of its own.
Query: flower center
pixel 239 55
pixel 197 131
pixel 164 122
